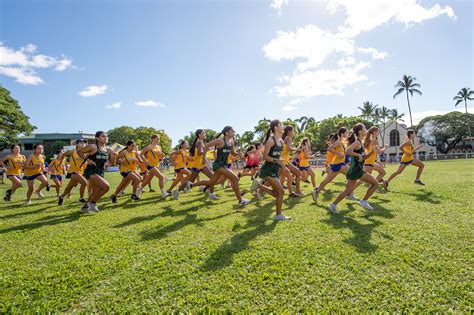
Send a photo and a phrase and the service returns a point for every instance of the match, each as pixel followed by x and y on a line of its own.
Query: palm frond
pixel 415 85
pixel 457 103
pixel 416 91
pixel 400 91
pixel 457 97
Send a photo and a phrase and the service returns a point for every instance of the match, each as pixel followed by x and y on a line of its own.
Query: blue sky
pixel 214 63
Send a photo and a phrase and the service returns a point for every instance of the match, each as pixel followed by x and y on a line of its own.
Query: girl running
pixel 329 156
pixel 14 164
pixel 144 172
pixel 356 169
pixel 198 163
pixel 97 155
pixel 57 169
pixel 270 169
pixel 75 173
pixel 34 168
pixel 408 149
pixel 180 158
pixel 304 157
pixel 338 164
pixel 152 155
pixel 290 172
pixel 251 162
pixel 372 149
pixel 224 147
pixel 128 159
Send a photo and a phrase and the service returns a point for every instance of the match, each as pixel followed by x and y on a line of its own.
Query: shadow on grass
pixel 361 232
pixel 20 214
pixel 423 195
pixel 255 227
pixel 46 221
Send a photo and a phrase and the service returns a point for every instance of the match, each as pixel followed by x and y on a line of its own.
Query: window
pixel 394 138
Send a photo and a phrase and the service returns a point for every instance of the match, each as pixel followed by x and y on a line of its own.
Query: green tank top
pixel 356 169
pixel 270 169
pixel 222 155
pixel 100 158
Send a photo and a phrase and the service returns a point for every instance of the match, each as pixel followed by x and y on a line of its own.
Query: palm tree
pixel 407 84
pixel 368 110
pixel 264 120
pixel 383 113
pixel 304 121
pixel 465 94
pixel 396 117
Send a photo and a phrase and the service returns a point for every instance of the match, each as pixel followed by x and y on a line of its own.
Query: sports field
pixel 414 252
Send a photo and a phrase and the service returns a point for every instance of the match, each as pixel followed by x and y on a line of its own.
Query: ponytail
pixel 193 145
pixel 271 129
pixel 224 131
pixel 129 143
pixel 355 133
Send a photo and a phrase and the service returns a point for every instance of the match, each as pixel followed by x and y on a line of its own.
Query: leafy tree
pixel 407 84
pixel 247 139
pixel 368 110
pixel 465 94
pixel 141 136
pixel 12 119
pixel 121 134
pixel 261 129
pixel 444 131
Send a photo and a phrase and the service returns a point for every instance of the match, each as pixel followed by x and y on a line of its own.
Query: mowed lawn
pixel 414 252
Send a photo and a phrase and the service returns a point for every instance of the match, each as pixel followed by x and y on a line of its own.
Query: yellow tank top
pixel 304 162
pixel 16 162
pixel 142 167
pixel 408 149
pixel 76 164
pixel 197 160
pixel 57 168
pixel 230 158
pixel 337 159
pixel 153 156
pixel 37 169
pixel 370 155
pixel 329 157
pixel 180 160
pixel 285 154
pixel 128 162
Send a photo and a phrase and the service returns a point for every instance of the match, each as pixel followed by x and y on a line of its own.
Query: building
pixel 394 135
pixel 465 146
pixel 47 140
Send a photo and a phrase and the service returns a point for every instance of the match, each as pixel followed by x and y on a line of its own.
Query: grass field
pixel 414 252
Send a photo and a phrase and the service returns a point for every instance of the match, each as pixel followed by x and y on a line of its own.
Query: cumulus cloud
pixel 21 64
pixel 93 90
pixel 150 103
pixel 115 105
pixel 278 5
pixel 373 52
pixel 289 108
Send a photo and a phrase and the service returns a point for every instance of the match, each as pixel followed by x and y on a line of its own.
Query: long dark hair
pixel 129 143
pixel 338 134
pixel 248 150
pixel 288 129
pixel 369 137
pixel 181 143
pixel 355 132
pixel 271 129
pixel 303 142
pixel 224 131
pixel 410 132
pixel 193 146
pixel 97 135
pixel 13 147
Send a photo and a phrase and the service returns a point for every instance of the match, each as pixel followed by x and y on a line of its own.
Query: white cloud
pixel 93 90
pixel 289 108
pixel 418 116
pixel 310 43
pixel 346 61
pixel 149 104
pixel 20 64
pixel 278 5
pixel 321 82
pixel 374 52
pixel 115 105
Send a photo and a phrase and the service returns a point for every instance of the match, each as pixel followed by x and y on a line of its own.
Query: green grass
pixel 413 252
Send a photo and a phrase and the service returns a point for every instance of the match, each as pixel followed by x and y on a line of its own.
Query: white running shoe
pixel 333 208
pixel 281 217
pixel 121 194
pixel 93 208
pixel 40 194
pixel 315 194
pixel 164 194
pixel 188 187
pixel 175 194
pixel 254 186
pixel 352 197
pixel 365 204
pixel 259 194
pixel 243 203
pixel 85 209
pixel 212 196
pixel 27 203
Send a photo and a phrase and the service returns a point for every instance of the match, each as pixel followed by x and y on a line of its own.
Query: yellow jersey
pixel 76 164
pixel 197 161
pixel 57 168
pixel 337 159
pixel 142 167
pixel 285 154
pixel 128 162
pixel 16 164
pixel 370 155
pixel 37 169
pixel 180 159
pixel 408 149
pixel 329 157
pixel 154 156
pixel 304 162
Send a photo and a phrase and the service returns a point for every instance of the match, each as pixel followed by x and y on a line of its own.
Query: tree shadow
pixel 20 214
pixel 45 221
pixel 423 195
pixel 361 233
pixel 223 256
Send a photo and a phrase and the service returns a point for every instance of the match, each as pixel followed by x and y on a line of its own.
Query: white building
pixel 394 135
